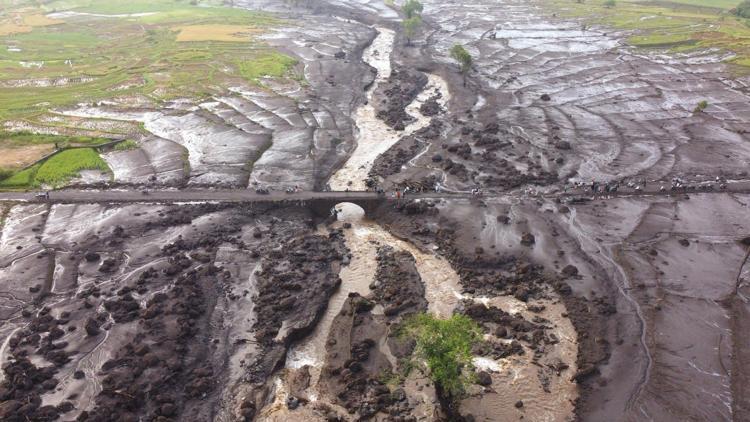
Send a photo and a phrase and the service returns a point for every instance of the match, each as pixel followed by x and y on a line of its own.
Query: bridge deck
pixel 246 195
pixel 197 195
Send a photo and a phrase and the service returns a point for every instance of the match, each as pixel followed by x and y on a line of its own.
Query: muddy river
pixel 374 136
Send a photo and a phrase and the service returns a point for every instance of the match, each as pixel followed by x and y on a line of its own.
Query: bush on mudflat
pixel 443 347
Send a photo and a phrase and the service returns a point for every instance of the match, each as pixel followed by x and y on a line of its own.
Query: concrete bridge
pixel 320 202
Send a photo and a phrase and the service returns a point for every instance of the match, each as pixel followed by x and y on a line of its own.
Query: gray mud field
pixel 605 261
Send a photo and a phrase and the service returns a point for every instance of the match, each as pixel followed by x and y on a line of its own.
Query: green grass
pixel 6 173
pixel 62 141
pixel 57 170
pixel 661 40
pixel 719 4
pixel 126 145
pixel 270 63
pixel 66 165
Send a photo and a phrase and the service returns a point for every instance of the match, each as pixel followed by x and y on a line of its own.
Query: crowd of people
pixel 640 185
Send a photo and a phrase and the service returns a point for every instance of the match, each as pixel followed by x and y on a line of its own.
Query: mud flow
pixel 254 258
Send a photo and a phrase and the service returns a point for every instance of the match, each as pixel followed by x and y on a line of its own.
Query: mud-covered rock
pixel 108 265
pixel 92 327
pixel 528 239
pixel 92 257
pixel 398 286
pixel 569 271
pixel 392 97
pixel 484 378
pixel 354 366
pixel 392 161
pixel 431 107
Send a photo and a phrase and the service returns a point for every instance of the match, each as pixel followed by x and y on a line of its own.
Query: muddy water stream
pixel 363 240
pixel 374 137
pixel 10 329
pixel 519 377
pixel 514 378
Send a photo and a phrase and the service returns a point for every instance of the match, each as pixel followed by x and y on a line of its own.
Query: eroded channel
pixel 374 136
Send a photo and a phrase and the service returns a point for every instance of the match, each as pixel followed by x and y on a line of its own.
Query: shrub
pixel 701 106
pixel 411 26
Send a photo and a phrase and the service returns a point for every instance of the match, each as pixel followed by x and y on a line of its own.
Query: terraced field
pixel 679 26
pixel 144 54
pixel 145 48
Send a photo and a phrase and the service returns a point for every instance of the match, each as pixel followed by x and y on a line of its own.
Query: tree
pixel 443 348
pixel 412 8
pixel 411 26
pixel 459 54
pixel 742 10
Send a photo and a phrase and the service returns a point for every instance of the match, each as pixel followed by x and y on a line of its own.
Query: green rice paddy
pixel 57 170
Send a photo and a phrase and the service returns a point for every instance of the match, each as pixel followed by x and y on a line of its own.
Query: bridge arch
pixel 322 206
pixel 349 212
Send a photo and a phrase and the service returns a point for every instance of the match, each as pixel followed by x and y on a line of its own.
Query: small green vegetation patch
pixel 62 167
pixel 22 179
pixel 661 40
pixel 701 106
pixel 126 145
pixel 267 64
pixel 62 141
pixel 444 347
